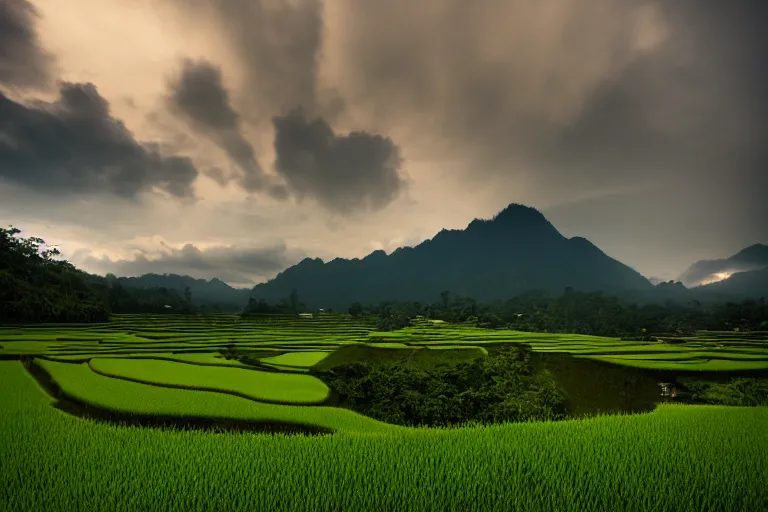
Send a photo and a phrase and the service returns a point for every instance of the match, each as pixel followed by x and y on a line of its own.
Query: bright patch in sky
pixel 717 276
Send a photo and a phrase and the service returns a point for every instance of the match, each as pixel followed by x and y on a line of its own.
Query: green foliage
pixel 738 392
pixel 36 287
pixel 253 384
pixel 297 359
pixel 677 458
pixel 498 388
pixel 289 305
pixel 578 313
pixel 78 382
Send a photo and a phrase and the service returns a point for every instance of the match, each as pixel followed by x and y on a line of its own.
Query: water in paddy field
pixel 598 387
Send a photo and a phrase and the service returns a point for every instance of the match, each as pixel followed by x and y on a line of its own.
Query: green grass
pixel 419 357
pixel 298 359
pixel 253 384
pixel 686 459
pixel 207 358
pixel 80 383
pixel 128 335
pixel 687 365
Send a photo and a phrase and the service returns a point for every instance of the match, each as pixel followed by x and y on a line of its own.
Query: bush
pixel 501 387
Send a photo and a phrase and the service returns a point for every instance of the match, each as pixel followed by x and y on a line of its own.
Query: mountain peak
pixel 492 259
pixel 519 213
pixel 754 254
pixel 519 220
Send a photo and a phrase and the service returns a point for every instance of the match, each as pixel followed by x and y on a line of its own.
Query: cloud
pixel 75 146
pixel 232 264
pixel 278 45
pixel 345 173
pixel 23 63
pixel 198 95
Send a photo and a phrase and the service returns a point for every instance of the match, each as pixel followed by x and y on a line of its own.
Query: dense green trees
pixel 738 391
pixel 289 305
pixel 500 387
pixel 36 287
pixel 580 313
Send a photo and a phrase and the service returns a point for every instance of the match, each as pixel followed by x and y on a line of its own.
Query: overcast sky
pixel 232 138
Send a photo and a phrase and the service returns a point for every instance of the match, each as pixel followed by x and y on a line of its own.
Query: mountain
pixel 702 272
pixel 214 291
pixel 673 290
pixel 516 251
pixel 741 285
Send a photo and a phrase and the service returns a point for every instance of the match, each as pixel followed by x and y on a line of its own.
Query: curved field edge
pixel 696 365
pixel 682 458
pixel 268 387
pixel 78 383
pixel 305 359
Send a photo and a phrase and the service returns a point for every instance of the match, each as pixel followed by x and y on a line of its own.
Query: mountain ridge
pixel 753 257
pixel 515 251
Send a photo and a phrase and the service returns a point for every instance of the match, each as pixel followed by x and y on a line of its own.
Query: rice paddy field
pixel 170 368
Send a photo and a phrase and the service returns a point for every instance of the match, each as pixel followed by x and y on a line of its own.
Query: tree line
pixel 37 286
pixel 498 388
pixel 576 312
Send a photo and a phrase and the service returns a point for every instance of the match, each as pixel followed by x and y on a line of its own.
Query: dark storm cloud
pixel 556 91
pixel 345 173
pixel 75 146
pixel 23 62
pixel 230 264
pixel 198 95
pixel 665 93
pixel 686 114
pixel 278 44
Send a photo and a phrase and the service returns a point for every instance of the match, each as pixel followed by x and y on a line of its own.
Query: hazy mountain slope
pixel 213 291
pixel 752 258
pixel 750 284
pixel 516 251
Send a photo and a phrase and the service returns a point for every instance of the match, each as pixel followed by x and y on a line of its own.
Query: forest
pixel 37 285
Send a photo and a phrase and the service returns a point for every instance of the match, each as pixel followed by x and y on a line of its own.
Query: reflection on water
pixel 594 387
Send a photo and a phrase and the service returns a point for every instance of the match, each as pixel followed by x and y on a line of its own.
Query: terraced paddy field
pixel 272 359
pixel 86 410
pixel 677 458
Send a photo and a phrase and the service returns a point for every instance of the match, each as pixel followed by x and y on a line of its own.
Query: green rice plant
pixel 78 382
pixel 674 459
pixel 694 354
pixel 212 359
pixel 479 350
pixel 297 359
pixel 687 365
pixel 252 384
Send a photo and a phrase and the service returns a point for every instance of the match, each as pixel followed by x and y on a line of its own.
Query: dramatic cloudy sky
pixel 232 138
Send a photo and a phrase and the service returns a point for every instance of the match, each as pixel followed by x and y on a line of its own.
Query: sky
pixel 233 138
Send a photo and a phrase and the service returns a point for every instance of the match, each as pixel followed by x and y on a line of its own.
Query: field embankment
pixel 679 458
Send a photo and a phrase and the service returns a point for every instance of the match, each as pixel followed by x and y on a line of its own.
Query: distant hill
pixel 741 285
pixel 752 258
pixel 673 290
pixel 214 291
pixel 516 251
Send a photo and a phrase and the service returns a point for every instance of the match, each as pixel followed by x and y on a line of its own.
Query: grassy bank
pixel 679 458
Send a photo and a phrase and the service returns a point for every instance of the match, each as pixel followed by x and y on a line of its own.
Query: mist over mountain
pixel 704 272
pixel 751 284
pixel 516 251
pixel 203 291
